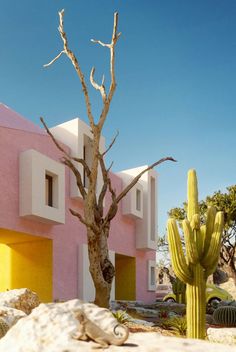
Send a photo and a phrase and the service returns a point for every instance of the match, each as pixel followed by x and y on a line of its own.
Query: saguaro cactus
pixel 179 289
pixel 202 248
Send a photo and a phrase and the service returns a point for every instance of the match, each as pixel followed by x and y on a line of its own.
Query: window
pixel 42 188
pixel 151 275
pixel 153 208
pixel 138 199
pixel 152 279
pixel 48 190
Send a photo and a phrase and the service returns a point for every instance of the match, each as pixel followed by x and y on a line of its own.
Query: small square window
pixel 153 278
pixel 42 188
pixel 51 182
pixel 151 268
pixel 49 190
pixel 138 199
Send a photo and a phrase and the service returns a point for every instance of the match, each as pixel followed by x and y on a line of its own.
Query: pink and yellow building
pixel 42 246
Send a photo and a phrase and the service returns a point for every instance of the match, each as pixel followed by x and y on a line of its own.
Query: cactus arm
pixel 193 207
pixel 191 248
pixel 177 255
pixel 212 255
pixel 203 235
pixel 195 225
pixel 210 222
pixel 211 269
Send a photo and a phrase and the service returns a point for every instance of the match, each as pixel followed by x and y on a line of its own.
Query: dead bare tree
pixel 97 222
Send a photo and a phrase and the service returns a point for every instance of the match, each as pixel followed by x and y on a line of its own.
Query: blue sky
pixel 176 76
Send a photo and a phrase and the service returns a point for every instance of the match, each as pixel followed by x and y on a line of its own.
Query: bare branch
pixel 53 138
pixel 76 65
pixel 77 174
pixel 55 59
pixel 104 187
pixel 101 43
pixel 95 85
pixel 114 205
pixel 108 170
pixel 79 160
pixel 80 217
pixel 85 165
pixel 106 184
pixel 111 46
pixel 135 180
pixel 111 144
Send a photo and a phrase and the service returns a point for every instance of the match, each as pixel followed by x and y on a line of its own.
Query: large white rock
pixel 11 315
pixel 22 299
pixel 49 328
pixel 223 335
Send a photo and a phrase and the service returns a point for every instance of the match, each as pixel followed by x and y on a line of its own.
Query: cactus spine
pixel 202 247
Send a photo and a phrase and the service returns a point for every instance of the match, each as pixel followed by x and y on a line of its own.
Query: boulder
pixel 11 315
pixel 50 328
pixel 222 335
pixel 22 299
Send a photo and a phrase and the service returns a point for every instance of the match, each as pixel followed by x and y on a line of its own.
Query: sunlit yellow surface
pixel 26 261
pixel 125 277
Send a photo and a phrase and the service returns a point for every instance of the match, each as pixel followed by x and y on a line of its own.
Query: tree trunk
pixel 227 261
pixel 101 268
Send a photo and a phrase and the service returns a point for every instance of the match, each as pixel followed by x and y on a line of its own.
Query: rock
pixel 139 312
pixel 22 299
pixel 222 335
pixel 11 315
pixel 49 328
pixel 178 308
pixel 123 304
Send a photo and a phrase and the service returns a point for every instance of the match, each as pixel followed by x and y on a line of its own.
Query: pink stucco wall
pixel 66 238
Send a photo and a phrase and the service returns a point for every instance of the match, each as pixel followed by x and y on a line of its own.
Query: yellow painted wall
pixel 125 282
pixel 26 264
pixel 5 267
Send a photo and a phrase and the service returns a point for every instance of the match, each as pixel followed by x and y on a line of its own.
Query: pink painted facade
pixel 18 135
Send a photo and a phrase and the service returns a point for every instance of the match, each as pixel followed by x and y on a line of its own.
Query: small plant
pixel 163 314
pixel 225 315
pixel 121 316
pixel 176 324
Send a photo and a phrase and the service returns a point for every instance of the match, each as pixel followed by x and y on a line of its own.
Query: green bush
pixel 121 316
pixel 176 324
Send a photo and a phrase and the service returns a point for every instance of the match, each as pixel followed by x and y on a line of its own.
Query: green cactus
pixel 4 327
pixel 179 289
pixel 225 315
pixel 202 247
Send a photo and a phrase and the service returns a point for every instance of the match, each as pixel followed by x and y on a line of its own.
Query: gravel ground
pixel 142 328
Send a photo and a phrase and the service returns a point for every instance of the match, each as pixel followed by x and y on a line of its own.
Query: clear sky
pixel 176 76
